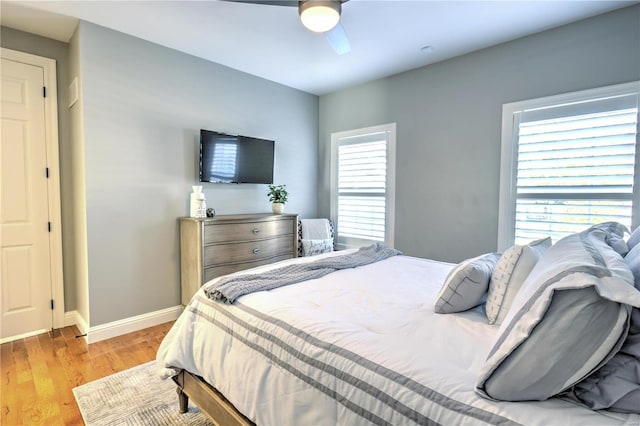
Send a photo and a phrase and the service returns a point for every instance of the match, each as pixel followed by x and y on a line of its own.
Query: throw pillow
pixel 466 285
pixel 632 259
pixel 313 247
pixel 510 272
pixel 634 239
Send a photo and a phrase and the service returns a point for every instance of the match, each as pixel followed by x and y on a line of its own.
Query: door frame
pixel 53 183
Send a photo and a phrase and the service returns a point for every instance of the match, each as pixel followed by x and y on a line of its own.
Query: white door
pixel 26 265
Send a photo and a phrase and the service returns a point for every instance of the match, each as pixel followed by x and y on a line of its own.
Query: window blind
pixel 362 177
pixel 575 167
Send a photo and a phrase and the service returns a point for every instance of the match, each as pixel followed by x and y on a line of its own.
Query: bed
pixel 357 346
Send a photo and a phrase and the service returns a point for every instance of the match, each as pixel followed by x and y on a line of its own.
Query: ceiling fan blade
pixel 337 38
pixel 268 2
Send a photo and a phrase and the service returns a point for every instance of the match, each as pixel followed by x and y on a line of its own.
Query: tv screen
pixel 235 159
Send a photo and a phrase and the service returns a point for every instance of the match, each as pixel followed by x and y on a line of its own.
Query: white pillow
pixel 509 274
pixel 466 285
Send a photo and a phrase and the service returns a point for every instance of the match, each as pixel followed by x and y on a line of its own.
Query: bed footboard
pixel 208 399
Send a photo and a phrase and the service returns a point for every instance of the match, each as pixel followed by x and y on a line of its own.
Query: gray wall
pixel 143 107
pixel 128 158
pixel 130 145
pixel 448 119
pixel 45 47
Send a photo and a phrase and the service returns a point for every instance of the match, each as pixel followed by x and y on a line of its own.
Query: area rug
pixel 134 397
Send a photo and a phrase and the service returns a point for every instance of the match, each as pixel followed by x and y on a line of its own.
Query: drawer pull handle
pixel 256 250
pixel 255 231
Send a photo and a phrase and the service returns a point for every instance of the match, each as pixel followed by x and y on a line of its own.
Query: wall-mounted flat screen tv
pixel 235 159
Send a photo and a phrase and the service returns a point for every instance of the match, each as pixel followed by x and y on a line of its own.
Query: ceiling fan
pixel 321 16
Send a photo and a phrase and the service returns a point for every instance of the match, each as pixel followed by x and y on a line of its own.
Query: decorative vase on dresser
pixel 211 247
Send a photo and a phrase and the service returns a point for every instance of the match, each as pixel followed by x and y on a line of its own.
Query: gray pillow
pixel 634 239
pixel 632 259
pixel 466 285
pixel 512 269
pixel 569 318
pixel 616 386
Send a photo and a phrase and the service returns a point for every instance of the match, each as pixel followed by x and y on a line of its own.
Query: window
pixel 568 162
pixel 362 185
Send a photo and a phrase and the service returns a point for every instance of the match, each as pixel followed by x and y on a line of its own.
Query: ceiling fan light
pixel 319 16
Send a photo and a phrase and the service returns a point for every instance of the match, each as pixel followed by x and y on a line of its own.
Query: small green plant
pixel 278 193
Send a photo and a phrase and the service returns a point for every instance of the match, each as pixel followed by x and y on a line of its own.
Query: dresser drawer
pixel 242 252
pixel 229 232
pixel 211 247
pixel 216 271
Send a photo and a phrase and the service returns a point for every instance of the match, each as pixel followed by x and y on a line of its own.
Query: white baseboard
pixel 22 336
pixel 74 318
pixel 112 329
pixel 129 325
pixel 70 318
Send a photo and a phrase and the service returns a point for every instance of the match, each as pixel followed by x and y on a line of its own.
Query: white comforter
pixel 358 346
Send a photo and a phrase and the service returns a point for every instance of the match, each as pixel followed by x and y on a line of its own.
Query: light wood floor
pixel 39 372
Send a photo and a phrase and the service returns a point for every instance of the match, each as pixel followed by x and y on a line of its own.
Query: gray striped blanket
pixel 228 289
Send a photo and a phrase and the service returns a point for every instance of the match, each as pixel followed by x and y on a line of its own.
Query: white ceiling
pixel 386 36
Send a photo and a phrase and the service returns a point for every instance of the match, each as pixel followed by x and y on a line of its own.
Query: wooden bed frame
pixel 208 399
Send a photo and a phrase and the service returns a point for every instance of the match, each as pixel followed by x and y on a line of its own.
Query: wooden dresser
pixel 210 247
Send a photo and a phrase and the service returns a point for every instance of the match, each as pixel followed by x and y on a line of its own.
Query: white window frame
pixel 390 130
pixel 509 152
